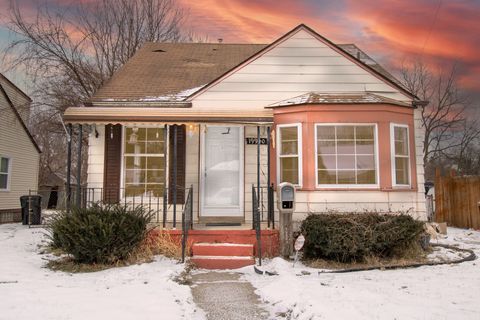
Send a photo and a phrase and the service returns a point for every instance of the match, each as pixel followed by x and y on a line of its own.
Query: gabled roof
pixel 340 98
pixel 172 72
pixel 169 71
pixel 383 75
pixel 14 109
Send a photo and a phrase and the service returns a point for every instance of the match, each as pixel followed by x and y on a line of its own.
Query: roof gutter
pixel 140 104
pixel 420 103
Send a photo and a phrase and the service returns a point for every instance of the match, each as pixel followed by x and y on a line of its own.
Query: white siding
pixel 16 145
pixel 298 65
pixel 419 132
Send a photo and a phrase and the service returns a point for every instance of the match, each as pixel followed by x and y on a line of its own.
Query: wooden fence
pixel 457 200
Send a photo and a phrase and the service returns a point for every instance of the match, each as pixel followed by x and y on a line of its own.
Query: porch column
pixel 269 195
pixel 258 166
pixel 79 166
pixel 165 181
pixel 69 168
pixel 174 176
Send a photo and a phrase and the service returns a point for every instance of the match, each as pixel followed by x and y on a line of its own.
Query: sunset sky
pixel 442 33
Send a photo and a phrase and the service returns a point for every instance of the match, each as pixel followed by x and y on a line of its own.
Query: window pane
pixel 364 132
pixel 401 141
pixel 327 177
pixel 346 147
pixel 4 165
pixel 133 135
pixel 289 170
pixel 289 141
pixel 138 147
pixel 365 162
pixel 326 132
pixel 136 177
pixel 155 147
pixel 135 162
pixel 156 190
pixel 155 163
pixel 132 190
pixel 155 176
pixel 326 147
pixel 346 177
pixel 366 176
pixel 3 181
pixel 155 134
pixel 345 133
pixel 326 162
pixel 346 162
pixel 401 170
pixel 365 147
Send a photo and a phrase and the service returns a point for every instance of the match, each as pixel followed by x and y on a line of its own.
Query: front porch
pixel 200 181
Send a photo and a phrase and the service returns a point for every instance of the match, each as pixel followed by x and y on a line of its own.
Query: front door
pixel 221 171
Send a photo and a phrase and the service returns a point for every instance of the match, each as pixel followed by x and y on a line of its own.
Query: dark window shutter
pixel 181 157
pixel 112 164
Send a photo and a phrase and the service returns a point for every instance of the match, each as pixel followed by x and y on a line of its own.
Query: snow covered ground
pixel 439 292
pixel 28 290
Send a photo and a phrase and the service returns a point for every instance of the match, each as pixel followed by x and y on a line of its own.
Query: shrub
pixel 99 234
pixel 353 236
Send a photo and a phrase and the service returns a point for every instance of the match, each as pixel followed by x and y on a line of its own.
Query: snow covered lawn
pixel 28 290
pixel 439 292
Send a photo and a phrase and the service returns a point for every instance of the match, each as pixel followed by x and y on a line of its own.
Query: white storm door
pixel 221 171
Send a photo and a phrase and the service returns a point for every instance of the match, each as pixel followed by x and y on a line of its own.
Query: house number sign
pixel 255 141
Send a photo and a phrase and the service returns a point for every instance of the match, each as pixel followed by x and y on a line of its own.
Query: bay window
pixel 346 155
pixel 144 161
pixel 290 154
pixel 400 155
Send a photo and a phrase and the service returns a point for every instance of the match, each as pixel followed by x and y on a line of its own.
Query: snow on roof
pixel 338 98
pixel 174 97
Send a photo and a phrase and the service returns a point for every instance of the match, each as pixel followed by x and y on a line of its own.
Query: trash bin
pixel 35 206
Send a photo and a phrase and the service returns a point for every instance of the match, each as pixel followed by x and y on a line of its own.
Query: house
pixel 19 153
pixel 225 122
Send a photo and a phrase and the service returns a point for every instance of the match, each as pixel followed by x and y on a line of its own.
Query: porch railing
pixel 163 209
pixel 265 205
pixel 187 220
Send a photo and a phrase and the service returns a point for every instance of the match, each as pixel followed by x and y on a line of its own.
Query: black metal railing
pixel 257 221
pixel 187 220
pixel 162 208
pixel 265 205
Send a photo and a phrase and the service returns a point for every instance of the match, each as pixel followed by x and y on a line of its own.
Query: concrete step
pixel 222 262
pixel 222 249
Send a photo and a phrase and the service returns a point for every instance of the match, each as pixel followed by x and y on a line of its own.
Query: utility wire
pixel 432 26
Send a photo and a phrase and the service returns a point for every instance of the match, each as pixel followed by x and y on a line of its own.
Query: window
pixel 346 154
pixel 290 154
pixel 4 173
pixel 144 161
pixel 400 155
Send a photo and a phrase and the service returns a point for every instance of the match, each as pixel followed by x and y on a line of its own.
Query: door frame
pixel 241 207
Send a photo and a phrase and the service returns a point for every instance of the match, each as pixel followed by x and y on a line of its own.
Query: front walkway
pixel 223 295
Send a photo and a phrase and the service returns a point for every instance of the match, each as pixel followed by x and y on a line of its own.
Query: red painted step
pixel 222 262
pixel 222 255
pixel 222 249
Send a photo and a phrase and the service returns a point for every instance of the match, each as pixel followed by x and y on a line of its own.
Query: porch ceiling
pixel 105 115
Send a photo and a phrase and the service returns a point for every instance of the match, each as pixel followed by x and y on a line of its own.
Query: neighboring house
pixel 343 130
pixel 19 153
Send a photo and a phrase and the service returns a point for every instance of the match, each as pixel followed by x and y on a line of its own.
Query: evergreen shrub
pixel 99 234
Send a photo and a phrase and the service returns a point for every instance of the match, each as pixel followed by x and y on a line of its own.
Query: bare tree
pixel 69 54
pixel 444 116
